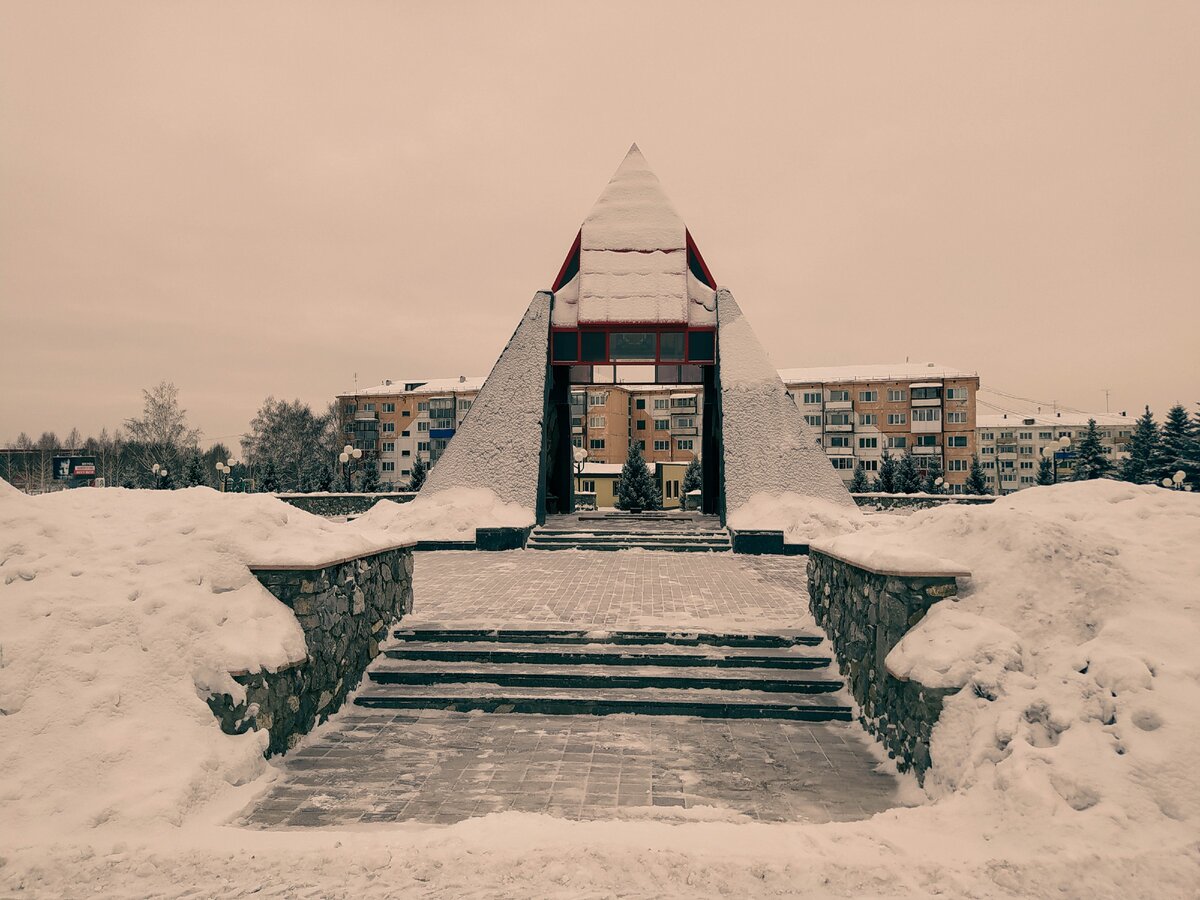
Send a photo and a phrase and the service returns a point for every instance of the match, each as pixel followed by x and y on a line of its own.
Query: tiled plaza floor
pixel 622 589
pixel 441 767
pixel 435 766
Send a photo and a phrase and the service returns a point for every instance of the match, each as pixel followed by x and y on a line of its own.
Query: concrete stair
pixel 708 540
pixel 573 672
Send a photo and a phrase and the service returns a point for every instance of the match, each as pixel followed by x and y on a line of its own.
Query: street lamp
pixel 225 468
pixel 159 472
pixel 348 453
pixel 1065 443
pixel 1175 482
pixel 579 456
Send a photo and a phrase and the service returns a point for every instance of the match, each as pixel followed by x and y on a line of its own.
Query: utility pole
pixel 1107 391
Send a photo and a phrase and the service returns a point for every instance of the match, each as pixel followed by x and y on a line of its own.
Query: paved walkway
pixel 435 766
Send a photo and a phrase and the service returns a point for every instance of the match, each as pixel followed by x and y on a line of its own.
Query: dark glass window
pixel 632 345
pixel 691 375
pixel 701 345
pixel 592 346
pixel 641 402
pixel 667 374
pixel 641 424
pixel 671 345
pixel 566 346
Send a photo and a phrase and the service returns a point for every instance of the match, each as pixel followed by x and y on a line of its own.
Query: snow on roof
pixel 426 386
pixel 633 212
pixel 874 372
pixel 1065 420
pixel 595 468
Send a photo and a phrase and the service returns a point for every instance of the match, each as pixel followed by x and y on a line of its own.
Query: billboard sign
pixel 68 467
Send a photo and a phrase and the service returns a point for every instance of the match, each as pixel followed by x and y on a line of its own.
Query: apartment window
pixel 641 424
pixel 406 453
pixel 868 396
pixel 898 442
pixel 661 403
pixel 423 406
pixel 927 414
pixel 387 466
pixel 405 433
pixel 868 419
pixel 596 444
pixel 956 465
pixel 956 393
pixel 662 424
pixel 812 396
pixel 423 425
pixel 685 422
pixel 368 407
pixel 597 421
pixel 842 462
pixel 926 393
pixel 349 408
pixel 464 405
pixel 897 418
pixel 1025 435
pixel 389 427
pixel 405 413
pixel 1006 435
pixel 389 446
pixel 389 407
pixel 895 395
pixel 1007 464
pixel 839 396
pixel 868 443
pixel 1025 451
pixel 955 440
pixel 814 421
pixel 1026 479
pixel 987 435
pixel 662 445
pixel 837 418
pixel 1026 464
pixel 597 399
pixel 684 445
pixel 577 441
pixel 869 465
pixel 683 402
pixel 926 440
pixel 987 451
pixel 406 471
pixel 641 403
pixel 641 445
pixel 839 440
pixel 588 486
pixel 956 418
pixel 1045 435
pixel 987 464
pixel 422 446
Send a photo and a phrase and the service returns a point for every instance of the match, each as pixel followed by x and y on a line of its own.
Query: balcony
pixel 934 427
pixel 838 428
pixel 933 401
pixel 839 451
pixel 927 451
pixel 684 430
pixel 839 405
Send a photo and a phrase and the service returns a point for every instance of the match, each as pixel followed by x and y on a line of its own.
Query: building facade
pixel 1010 446
pixel 664 419
pixel 860 411
pixel 398 422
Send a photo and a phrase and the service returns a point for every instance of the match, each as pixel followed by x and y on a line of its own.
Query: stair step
pixel 600 636
pixel 574 654
pixel 682 532
pixel 596 677
pixel 534 544
pixel 566 701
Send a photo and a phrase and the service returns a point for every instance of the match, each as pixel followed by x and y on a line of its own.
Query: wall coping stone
pixel 881 561
pixel 313 566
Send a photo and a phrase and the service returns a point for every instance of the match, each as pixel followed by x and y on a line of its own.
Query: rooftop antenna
pixel 1107 391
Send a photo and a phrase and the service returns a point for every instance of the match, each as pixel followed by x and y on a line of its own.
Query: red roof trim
pixel 693 249
pixel 573 253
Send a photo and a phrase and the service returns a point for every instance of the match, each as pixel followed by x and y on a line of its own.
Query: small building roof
pixel 462 383
pixel 1060 420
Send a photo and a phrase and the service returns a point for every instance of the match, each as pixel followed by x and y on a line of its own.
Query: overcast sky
pixel 255 199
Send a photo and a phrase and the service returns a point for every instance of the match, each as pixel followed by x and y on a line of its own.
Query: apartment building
pixel 664 419
pixel 861 411
pixel 1010 446
pixel 397 422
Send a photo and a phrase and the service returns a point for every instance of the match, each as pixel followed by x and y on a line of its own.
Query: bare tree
pixel 162 434
pixel 289 439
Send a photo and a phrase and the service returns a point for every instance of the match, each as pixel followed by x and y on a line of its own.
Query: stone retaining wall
pixel 865 612
pixel 345 608
pixel 342 504
pixel 919 501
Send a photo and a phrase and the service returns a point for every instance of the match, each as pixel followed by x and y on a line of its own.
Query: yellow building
pixel 600 479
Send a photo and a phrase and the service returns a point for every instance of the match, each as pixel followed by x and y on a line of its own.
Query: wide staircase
pixel 631 531
pixel 782 675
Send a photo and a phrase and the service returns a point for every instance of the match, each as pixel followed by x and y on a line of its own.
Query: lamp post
pixel 1064 443
pixel 159 472
pixel 226 469
pixel 1175 482
pixel 349 452
pixel 579 456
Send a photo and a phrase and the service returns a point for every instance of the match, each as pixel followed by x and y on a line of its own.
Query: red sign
pixel 84 469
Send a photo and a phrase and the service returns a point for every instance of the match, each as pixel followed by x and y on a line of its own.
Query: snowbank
pixel 121 611
pixel 949 647
pixel 450 515
pixel 802 519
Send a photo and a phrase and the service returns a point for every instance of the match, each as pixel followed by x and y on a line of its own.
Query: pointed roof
pixel 633 212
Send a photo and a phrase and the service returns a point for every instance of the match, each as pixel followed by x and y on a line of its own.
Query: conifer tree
pixel 693 477
pixel 908 479
pixel 1177 448
pixel 932 474
pixel 193 469
pixel 1090 461
pixel 886 482
pixel 976 480
pixel 635 487
pixel 1045 472
pixel 1138 466
pixel 419 471
pixel 859 485
pixel 268 482
pixel 370 478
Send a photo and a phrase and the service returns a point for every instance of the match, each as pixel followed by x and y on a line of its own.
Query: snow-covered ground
pixel 1067 766
pixel 451 515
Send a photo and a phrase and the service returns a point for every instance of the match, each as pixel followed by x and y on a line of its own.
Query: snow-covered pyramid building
pixel 635 301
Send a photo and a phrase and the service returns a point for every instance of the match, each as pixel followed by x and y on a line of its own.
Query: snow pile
pixel 949 647
pixel 452 515
pixel 122 610
pixel 802 519
pixel 1094 588
pixel 868 552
